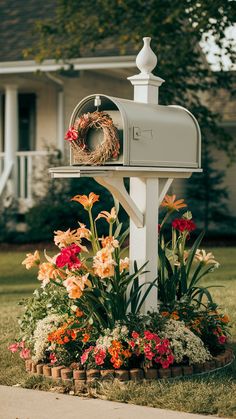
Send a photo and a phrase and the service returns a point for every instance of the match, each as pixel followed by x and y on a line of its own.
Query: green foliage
pixel 181 269
pixel 209 195
pixel 56 211
pixel 176 29
pixel 44 302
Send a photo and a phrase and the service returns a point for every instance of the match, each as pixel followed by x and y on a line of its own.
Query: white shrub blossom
pixel 185 343
pixel 42 330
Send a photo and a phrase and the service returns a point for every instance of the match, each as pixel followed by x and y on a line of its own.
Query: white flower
pixel 184 343
pixel 42 330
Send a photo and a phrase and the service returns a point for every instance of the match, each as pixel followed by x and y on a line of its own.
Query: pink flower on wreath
pixel 25 353
pixel 182 225
pixel 72 134
pixel 135 335
pixel 222 339
pixel 68 256
pixel 148 335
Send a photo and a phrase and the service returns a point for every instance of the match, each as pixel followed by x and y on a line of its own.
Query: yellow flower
pixel 172 205
pixel 83 232
pixel 105 270
pixel 206 258
pixel 76 284
pixel 31 260
pixel 124 264
pixel 86 201
pixel 65 238
pixel 48 271
pixel 110 217
pixel 110 241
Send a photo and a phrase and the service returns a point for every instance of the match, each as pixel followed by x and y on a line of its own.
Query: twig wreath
pixel 77 135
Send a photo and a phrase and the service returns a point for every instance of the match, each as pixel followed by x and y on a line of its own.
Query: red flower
pixel 181 225
pixel 135 335
pixel 71 134
pixel 68 257
pixel 100 357
pixel 222 339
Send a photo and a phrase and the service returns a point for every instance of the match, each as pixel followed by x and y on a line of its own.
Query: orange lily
pixel 86 201
pixel 171 204
pixel 110 217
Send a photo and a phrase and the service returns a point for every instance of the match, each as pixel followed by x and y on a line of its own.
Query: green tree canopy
pixel 85 27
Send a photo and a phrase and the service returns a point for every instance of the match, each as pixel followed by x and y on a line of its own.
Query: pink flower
pixel 222 339
pixel 71 134
pixel 148 352
pixel 25 353
pixel 165 363
pixel 132 344
pixel 13 347
pixel 148 335
pixel 53 358
pixel 68 257
pixel 135 335
pixel 85 355
pixel 100 357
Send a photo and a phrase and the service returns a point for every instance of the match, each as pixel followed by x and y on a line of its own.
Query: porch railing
pixel 27 163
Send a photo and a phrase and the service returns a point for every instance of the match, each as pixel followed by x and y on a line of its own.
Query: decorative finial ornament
pixel 146 60
pixel 146 85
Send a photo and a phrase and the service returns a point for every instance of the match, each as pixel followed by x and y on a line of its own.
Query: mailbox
pixel 149 135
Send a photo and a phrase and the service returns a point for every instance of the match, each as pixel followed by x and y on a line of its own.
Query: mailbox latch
pixel 139 134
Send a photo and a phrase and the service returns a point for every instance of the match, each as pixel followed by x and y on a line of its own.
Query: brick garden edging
pixel 79 378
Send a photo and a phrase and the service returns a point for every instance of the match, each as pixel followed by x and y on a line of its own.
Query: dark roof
pixel 17 19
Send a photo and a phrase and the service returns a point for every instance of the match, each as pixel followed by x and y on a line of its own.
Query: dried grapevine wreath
pixel 77 134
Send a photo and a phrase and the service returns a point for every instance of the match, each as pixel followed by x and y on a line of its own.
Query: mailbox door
pixel 162 136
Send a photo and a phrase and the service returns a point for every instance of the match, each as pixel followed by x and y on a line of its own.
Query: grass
pixel 212 394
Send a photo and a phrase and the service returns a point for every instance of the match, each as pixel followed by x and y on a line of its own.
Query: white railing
pixel 24 172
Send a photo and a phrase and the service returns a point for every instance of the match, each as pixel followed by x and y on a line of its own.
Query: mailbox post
pixel 153 139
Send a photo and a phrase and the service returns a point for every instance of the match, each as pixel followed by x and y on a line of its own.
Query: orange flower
pixel 124 264
pixel 172 205
pixel 110 242
pixel 174 315
pixel 165 313
pixel 126 353
pixel 79 313
pixel 110 217
pixel 225 319
pixel 48 271
pixel 31 260
pixel 86 201
pixel 86 337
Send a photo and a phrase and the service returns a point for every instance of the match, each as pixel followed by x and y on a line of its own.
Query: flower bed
pixel 88 311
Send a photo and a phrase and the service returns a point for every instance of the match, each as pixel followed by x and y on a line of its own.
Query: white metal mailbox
pixel 149 134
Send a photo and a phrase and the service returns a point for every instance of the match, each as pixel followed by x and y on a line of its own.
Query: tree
pixel 208 197
pixel 83 27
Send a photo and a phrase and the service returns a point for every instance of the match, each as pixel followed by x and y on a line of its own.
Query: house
pixel 36 100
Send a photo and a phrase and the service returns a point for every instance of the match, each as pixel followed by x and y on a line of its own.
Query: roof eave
pixel 91 63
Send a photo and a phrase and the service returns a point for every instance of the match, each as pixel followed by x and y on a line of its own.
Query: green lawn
pixel 213 394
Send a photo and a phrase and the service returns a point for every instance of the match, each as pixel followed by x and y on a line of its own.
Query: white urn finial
pixel 146 60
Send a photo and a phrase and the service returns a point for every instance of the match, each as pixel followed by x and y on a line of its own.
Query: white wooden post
pixel 60 121
pixel 11 130
pixel 145 191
